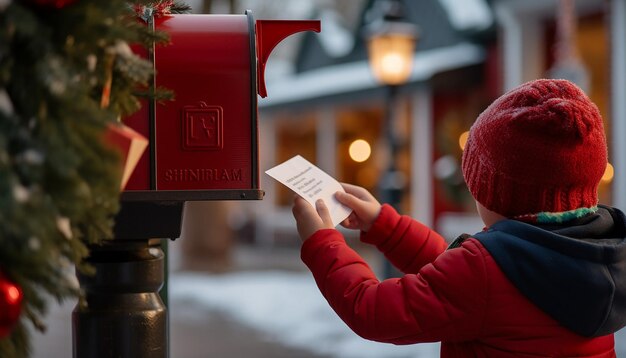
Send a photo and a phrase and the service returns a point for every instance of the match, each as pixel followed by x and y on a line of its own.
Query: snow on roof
pixel 468 14
pixel 355 76
pixel 336 40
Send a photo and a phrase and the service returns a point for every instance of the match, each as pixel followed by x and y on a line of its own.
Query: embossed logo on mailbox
pixel 202 127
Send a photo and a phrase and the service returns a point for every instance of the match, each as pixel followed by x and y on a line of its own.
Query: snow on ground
pixel 289 309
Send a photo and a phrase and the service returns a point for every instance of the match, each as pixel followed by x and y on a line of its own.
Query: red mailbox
pixel 204 143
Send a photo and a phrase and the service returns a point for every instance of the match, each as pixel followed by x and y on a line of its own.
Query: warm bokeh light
pixel 13 293
pixel 463 139
pixel 360 150
pixel 607 177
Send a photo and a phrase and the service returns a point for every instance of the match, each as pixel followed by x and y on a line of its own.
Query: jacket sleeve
pixel 407 243
pixel 444 301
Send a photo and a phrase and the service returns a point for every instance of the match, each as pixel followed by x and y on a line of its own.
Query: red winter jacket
pixel 459 296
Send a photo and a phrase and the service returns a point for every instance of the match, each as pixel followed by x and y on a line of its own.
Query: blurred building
pixel 467 54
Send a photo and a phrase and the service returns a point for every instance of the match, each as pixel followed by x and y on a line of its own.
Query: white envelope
pixel 311 183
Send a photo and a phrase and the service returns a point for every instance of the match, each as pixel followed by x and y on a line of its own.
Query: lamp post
pixel 391 44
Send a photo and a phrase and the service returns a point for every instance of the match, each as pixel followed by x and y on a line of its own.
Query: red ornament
pixel 57 4
pixel 10 305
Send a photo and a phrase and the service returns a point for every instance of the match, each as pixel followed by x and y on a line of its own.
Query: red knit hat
pixel 538 148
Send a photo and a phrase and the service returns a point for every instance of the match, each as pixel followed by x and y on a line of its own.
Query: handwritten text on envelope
pixel 311 183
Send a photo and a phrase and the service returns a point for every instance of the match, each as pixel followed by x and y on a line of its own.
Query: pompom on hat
pixel 538 148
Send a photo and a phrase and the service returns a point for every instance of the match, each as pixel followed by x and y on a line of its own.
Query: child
pixel 545 278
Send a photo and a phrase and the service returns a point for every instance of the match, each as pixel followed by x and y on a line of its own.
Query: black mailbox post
pixel 124 315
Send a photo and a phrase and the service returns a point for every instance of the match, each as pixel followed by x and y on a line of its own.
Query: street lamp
pixel 391 45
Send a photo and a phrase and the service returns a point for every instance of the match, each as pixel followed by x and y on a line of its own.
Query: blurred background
pixel 237 287
pixel 325 104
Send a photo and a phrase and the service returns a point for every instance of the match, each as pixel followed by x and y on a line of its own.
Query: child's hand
pixel 310 219
pixel 365 208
